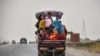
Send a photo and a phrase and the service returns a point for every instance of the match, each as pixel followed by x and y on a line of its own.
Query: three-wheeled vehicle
pixel 49 47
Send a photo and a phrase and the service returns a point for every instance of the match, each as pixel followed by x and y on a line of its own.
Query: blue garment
pixel 57 25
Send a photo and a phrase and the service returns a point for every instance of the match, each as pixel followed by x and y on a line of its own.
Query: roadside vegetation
pixel 90 47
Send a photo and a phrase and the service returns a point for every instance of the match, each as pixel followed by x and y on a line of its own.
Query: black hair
pixel 49 13
pixel 39 16
pixel 60 21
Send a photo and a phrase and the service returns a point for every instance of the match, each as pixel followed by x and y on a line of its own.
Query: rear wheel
pixel 39 54
pixel 63 54
pixel 60 54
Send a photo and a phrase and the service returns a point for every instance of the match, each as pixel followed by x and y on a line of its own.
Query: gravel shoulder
pixel 79 52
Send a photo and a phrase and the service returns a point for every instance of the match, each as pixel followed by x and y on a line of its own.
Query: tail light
pixel 60 48
pixel 43 48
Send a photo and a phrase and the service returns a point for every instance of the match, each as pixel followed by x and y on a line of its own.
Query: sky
pixel 17 17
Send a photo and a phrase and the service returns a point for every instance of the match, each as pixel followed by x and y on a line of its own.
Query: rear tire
pixel 63 54
pixel 39 54
pixel 60 54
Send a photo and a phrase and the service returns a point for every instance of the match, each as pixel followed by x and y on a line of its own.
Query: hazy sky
pixel 17 17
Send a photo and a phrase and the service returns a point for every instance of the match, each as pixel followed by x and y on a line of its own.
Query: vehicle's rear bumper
pixel 51 43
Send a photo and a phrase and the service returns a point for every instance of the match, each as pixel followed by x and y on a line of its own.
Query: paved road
pixel 31 50
pixel 18 50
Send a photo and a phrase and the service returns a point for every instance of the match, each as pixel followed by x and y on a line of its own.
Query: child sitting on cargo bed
pixel 43 35
pixel 54 35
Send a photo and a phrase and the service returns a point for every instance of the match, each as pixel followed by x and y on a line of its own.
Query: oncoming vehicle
pixel 23 41
pixel 51 42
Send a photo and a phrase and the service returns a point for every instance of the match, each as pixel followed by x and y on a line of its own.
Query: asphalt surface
pixel 31 50
pixel 20 50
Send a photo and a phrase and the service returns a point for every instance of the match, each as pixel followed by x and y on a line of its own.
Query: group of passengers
pixel 50 29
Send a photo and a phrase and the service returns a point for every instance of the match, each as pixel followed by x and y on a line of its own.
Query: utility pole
pixel 84 35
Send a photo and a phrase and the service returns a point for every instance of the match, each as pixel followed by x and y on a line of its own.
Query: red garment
pixel 53 37
pixel 56 37
pixel 61 37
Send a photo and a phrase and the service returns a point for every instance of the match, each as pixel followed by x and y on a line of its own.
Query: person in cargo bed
pixel 42 22
pixel 56 36
pixel 58 26
pixel 48 23
pixel 59 31
pixel 43 35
